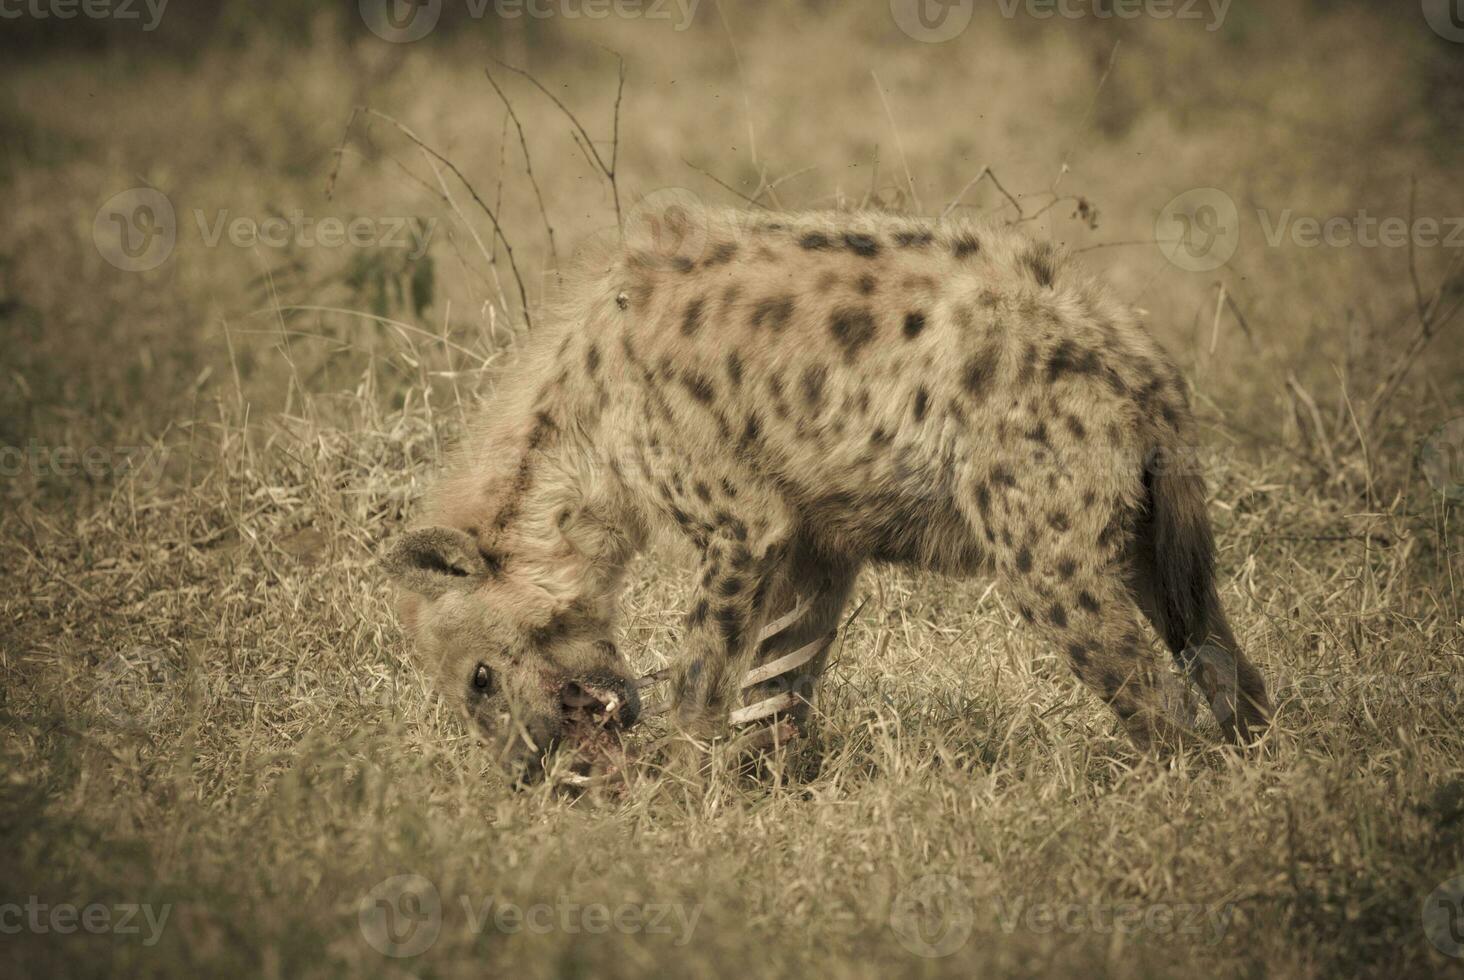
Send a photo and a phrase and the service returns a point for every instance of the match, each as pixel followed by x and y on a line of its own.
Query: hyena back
pixel 809 392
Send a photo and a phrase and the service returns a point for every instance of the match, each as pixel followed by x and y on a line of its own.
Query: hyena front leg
pixel 822 587
pixel 738 564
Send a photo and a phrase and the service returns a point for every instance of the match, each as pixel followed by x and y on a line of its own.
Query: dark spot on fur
pixel 1075 426
pixel 983 498
pixel 815 241
pixel 1058 520
pixel 1066 358
pixel 752 431
pixel 730 587
pixel 695 316
pixel 1087 602
pixel 1003 477
pixel 914 323
pixel 728 488
pixel 879 437
pixel 1026 613
pixel 867 285
pixel 1024 560
pixel 699 386
pixel 1078 654
pixel 734 369
pixel 861 245
pixel 914 239
pixel 682 264
pixel 774 311
pixel 592 358
pixel 721 253
pixel 813 386
pixel 698 614
pixel 1066 568
pixel 729 620
pixel 1038 433
pixel 1058 615
pixel 980 372
pixel 922 402
pixel 852 329
pixel 965 245
pixel 703 492
pixel 1041 261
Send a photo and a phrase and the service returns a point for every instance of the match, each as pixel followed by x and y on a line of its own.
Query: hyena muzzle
pixel 796 395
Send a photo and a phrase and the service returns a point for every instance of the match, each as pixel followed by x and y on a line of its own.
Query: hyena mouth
pixel 594 714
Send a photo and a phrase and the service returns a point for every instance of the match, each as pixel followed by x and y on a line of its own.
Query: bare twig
pixel 597 159
pixel 899 143
pixel 723 184
pixel 742 79
pixel 986 172
pixel 528 164
pixel 493 217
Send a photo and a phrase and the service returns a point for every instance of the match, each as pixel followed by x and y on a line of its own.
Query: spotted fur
pixel 801 395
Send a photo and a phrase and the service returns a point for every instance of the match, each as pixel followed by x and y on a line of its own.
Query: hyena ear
pixel 431 561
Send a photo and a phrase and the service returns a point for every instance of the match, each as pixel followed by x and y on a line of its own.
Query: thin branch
pixel 899 143
pixel 497 228
pixel 529 163
pixel 605 167
pixel 742 80
pixel 724 185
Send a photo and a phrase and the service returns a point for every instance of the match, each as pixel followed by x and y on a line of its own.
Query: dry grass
pixel 207 704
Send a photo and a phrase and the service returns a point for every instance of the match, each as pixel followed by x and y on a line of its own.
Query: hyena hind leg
pixel 1094 619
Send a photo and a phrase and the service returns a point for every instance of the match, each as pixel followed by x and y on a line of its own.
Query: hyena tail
pixel 1177 564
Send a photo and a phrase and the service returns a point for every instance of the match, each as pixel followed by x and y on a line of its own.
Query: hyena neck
pixel 530 497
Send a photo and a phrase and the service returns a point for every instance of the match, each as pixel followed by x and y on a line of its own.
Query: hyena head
pixel 529 672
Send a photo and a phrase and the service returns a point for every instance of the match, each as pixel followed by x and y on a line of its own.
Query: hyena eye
pixel 482 678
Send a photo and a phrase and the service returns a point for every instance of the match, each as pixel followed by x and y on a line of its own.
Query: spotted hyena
pixel 798 395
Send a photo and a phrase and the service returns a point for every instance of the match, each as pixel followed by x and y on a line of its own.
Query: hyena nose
pixel 609 702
